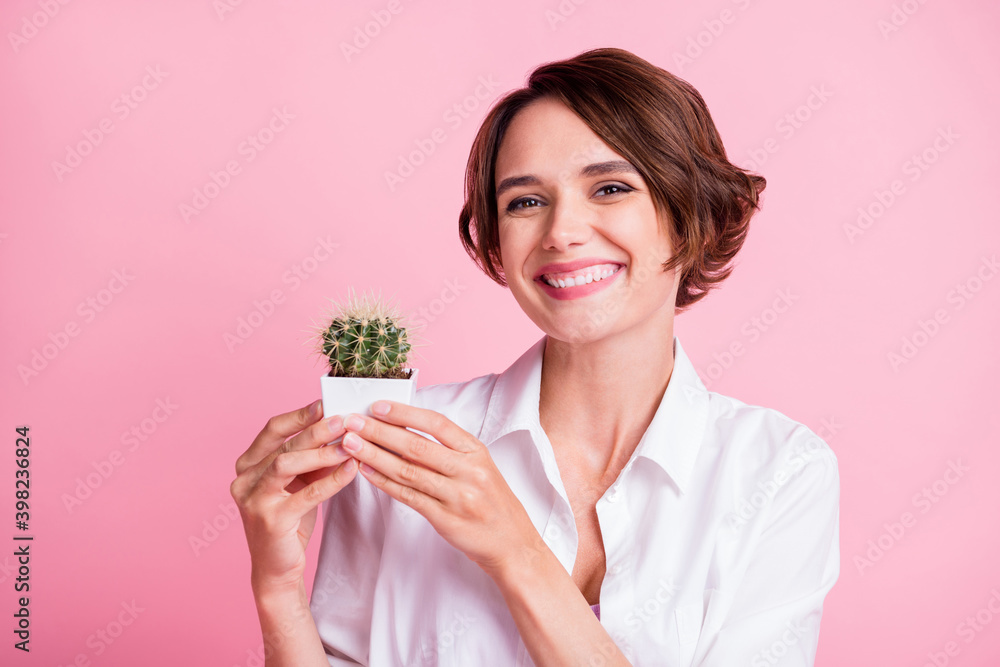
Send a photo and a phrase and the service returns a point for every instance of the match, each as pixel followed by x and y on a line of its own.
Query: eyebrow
pixel 595 169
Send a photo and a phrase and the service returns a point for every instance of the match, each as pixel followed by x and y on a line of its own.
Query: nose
pixel 569 224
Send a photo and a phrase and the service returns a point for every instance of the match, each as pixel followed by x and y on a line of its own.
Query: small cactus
pixel 365 338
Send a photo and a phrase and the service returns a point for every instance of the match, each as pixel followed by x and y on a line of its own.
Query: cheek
pixel 505 251
pixel 512 254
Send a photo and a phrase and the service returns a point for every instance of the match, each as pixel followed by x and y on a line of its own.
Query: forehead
pixel 545 138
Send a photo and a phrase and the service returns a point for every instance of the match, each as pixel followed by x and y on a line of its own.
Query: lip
pixel 563 267
pixel 580 291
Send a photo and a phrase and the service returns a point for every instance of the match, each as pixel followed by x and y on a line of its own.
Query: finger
pixel 275 431
pixel 409 445
pixel 313 437
pixel 399 470
pixel 307 478
pixel 312 495
pixel 288 465
pixel 322 462
pixel 426 505
pixel 431 422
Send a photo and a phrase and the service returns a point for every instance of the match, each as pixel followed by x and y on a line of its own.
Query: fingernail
pixel 315 408
pixel 367 469
pixel 351 443
pixel 380 408
pixel 354 422
pixel 334 424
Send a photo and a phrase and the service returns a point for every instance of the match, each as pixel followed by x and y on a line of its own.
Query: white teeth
pixel 581 280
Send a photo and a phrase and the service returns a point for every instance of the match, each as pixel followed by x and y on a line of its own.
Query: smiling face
pixel 580 241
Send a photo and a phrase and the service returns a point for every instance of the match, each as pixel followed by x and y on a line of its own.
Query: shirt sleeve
pixel 343 589
pixel 790 561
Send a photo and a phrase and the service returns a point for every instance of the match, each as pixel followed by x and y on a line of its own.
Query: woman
pixel 593 504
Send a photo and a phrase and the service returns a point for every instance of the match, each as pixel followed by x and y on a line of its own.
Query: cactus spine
pixel 365 339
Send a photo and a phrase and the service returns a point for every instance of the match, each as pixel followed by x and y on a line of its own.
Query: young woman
pixel 593 504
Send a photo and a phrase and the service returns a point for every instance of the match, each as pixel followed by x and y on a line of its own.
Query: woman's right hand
pixel 280 480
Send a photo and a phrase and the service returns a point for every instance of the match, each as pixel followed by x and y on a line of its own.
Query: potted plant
pixel 365 343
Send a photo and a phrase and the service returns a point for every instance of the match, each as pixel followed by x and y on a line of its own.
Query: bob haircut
pixel 660 124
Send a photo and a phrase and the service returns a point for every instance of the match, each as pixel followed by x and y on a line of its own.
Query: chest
pixel 590 564
pixel 653 597
pixel 585 479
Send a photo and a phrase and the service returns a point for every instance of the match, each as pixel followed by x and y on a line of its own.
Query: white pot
pixel 342 396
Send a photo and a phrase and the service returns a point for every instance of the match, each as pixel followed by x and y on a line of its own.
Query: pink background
pixel 886 92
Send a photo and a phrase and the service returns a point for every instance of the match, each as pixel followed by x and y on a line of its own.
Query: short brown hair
pixel 660 124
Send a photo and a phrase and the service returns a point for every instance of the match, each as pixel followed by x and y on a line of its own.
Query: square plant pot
pixel 342 396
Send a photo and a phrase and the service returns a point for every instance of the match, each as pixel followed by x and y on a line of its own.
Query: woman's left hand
pixel 455 484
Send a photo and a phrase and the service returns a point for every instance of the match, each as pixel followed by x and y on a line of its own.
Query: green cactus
pixel 365 339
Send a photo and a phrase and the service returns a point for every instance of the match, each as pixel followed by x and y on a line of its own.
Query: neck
pixel 598 398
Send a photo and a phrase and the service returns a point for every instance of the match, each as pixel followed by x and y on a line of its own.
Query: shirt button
pixel 616 569
pixel 614 495
pixel 551 533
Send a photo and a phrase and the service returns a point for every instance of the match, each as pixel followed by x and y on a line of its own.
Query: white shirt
pixel 721 537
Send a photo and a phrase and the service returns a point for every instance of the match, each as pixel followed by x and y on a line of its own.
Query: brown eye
pixel 618 187
pixel 521 203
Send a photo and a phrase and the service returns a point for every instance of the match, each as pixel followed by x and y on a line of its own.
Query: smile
pixel 582 276
pixel 581 282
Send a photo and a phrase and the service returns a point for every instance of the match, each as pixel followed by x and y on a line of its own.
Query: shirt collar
pixel 671 441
